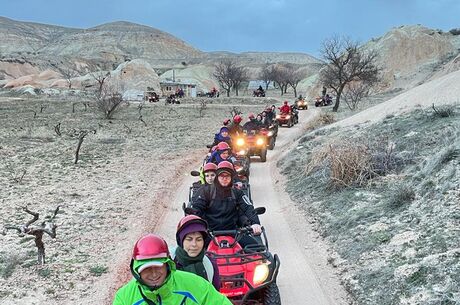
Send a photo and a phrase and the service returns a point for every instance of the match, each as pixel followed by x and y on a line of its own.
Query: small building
pixel 170 87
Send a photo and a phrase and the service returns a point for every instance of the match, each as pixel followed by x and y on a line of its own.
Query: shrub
pixel 44 272
pixel 402 195
pixel 348 163
pixel 98 270
pixel 326 118
pixel 455 31
pixel 443 111
pixel 7 265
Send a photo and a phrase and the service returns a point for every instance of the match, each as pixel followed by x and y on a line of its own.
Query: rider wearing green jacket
pixel 157 282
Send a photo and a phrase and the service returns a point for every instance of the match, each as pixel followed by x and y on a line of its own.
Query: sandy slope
pixel 441 91
pixel 304 278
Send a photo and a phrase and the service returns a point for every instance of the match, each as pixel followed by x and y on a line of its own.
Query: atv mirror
pixel 195 173
pixel 260 210
pixel 209 146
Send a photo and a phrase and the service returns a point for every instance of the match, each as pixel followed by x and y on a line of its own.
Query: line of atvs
pixel 248 274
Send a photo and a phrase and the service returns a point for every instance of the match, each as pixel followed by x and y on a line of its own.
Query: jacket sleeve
pixel 246 208
pixel 118 300
pixel 200 202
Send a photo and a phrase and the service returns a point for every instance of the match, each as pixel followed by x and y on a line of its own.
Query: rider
pixel 222 136
pixel 270 115
pixel 209 171
pixel 226 208
pixel 285 109
pixel 190 254
pixel 252 124
pixel 222 153
pixel 235 128
pixel 156 280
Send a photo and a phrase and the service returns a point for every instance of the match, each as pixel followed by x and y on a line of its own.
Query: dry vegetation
pixel 116 191
pixel 386 198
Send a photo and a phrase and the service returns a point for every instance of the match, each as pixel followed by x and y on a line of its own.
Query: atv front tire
pixel 272 295
pixel 263 155
pixel 271 145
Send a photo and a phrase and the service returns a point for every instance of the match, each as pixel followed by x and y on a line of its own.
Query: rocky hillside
pixel 411 55
pixel 108 41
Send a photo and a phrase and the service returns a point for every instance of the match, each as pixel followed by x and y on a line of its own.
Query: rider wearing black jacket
pixel 252 124
pixel 224 207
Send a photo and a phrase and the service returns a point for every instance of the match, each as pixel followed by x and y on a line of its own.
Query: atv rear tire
pixel 272 295
pixel 263 155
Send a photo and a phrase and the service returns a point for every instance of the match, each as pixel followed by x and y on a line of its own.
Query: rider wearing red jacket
pixel 285 109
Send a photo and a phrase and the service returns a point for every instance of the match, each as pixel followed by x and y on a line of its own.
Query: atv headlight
pixel 270 133
pixel 240 142
pixel 288 117
pixel 260 141
pixel 260 273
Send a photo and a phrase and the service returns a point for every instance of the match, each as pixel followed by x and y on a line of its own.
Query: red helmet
pixel 223 146
pixel 237 119
pixel 251 116
pixel 150 246
pixel 225 166
pixel 286 102
pixel 189 224
pixel 209 167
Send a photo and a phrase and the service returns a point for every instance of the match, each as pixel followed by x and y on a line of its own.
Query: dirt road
pixel 304 277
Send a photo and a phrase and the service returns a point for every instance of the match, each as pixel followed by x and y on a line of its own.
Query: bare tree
pixel 47 226
pixel 223 74
pixel 266 74
pixel 281 77
pixel 109 99
pixel 100 77
pixel 81 137
pixel 239 75
pixel 347 63
pixel 354 92
pixel 203 107
pixel 235 111
pixel 294 76
pixel 57 129
pixel 67 72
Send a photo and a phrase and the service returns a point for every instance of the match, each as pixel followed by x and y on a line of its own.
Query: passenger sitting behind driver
pixel 192 239
pixel 222 153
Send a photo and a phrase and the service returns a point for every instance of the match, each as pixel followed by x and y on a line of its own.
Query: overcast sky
pixel 246 25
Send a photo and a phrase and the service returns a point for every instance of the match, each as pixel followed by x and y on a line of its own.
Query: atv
pixel 270 136
pixel 256 144
pixel 258 93
pixel 248 275
pixel 285 119
pixel 172 99
pixel 301 104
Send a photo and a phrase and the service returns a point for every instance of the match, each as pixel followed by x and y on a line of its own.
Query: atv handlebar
pixel 239 231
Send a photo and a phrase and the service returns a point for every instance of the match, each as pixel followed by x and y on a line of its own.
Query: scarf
pixel 191 264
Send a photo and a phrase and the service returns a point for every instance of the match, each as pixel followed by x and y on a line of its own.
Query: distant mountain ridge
pixel 116 41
